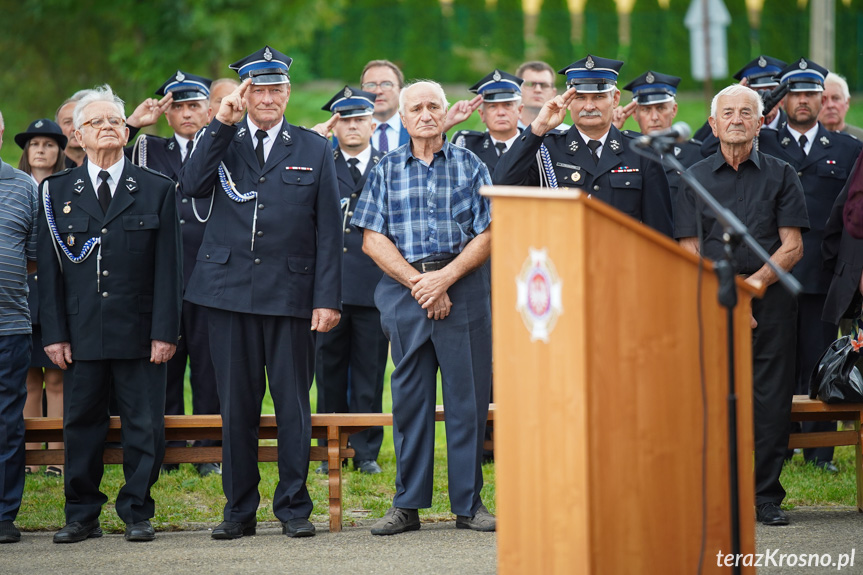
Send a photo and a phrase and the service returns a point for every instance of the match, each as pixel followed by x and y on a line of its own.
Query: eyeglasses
pixel 540 85
pixel 97 123
pixel 385 86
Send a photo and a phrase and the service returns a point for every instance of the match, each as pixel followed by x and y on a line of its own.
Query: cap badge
pixel 650 78
pixel 348 92
pixel 496 76
pixel 38 124
pixel 589 64
pixel 267 54
pixel 785 141
pixel 762 63
pixel 180 76
pixel 573 146
pixel 803 64
pixel 614 145
pixel 824 141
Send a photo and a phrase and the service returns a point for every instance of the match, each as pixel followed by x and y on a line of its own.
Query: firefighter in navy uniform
pixel 187 113
pixel 500 109
pixel 593 155
pixel 351 359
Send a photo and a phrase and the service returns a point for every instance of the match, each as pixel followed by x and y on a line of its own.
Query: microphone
pixel 678 132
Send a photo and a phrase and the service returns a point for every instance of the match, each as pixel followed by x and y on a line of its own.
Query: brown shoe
pixel 482 520
pixel 397 520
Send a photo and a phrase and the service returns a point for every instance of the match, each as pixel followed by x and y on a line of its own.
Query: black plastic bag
pixel 836 379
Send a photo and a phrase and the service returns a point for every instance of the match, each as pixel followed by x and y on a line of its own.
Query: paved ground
pixel 438 548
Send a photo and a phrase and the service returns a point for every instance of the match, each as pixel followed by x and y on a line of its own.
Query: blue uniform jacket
pixel 281 253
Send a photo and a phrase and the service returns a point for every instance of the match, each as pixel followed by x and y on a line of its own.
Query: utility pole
pixel 822 32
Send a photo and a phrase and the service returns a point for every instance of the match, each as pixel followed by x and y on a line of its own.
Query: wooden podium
pixel 599 431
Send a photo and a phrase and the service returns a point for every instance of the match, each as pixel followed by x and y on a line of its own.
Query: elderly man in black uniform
pixel 110 288
pixel 823 161
pixel 187 113
pixel 654 106
pixel 593 155
pixel 766 195
pixel 269 270
pixel 351 359
pixel 499 111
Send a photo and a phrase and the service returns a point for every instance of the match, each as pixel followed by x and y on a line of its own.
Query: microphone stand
pixel 733 234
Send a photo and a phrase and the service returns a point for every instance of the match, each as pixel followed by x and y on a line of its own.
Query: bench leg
pixel 335 477
pixel 858 461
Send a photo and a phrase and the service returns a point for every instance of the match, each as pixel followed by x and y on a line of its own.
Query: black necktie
pixel 594 146
pixel 189 145
pixel 383 142
pixel 259 149
pixel 802 141
pixel 354 170
pixel 104 191
pixel 501 148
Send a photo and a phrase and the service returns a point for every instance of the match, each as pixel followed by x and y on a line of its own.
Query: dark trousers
pixel 813 338
pixel 773 367
pixel 139 389
pixel 354 352
pixel 194 348
pixel 460 346
pixel 14 362
pixel 242 345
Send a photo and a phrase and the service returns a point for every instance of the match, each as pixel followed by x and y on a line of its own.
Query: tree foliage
pixel 554 31
pixel 600 29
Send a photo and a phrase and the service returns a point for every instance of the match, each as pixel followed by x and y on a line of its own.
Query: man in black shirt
pixel 766 195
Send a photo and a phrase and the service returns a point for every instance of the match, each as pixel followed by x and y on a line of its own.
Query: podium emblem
pixel 539 297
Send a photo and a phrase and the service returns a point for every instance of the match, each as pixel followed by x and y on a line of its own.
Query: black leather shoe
pixel 397 520
pixel 369 466
pixel 8 532
pixel 298 527
pixel 234 529
pixel 205 469
pixel 827 467
pixel 78 531
pixel 140 531
pixel 771 514
pixel 482 520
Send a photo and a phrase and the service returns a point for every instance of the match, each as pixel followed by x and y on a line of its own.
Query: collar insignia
pixel 376 159
pixel 180 76
pixel 785 141
pixel 130 187
pixel 285 135
pixel 80 181
pixel 573 146
pixel 38 124
pixel 241 132
pixel 824 141
pixel 171 146
pixel 485 144
pixel 762 63
pixel 614 145
pixel 267 54
pixel 496 76
pixel 336 154
pixel 650 79
pixel 803 64
pixel 130 179
pixel 590 63
pixel 676 151
pixel 79 189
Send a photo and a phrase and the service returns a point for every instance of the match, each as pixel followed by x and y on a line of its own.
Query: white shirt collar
pixel 268 141
pixel 183 142
pixel 585 138
pixel 509 142
pixel 115 171
pixel 362 158
pixel 810 136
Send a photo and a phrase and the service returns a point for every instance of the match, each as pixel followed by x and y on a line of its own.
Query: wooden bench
pixel 335 428
pixel 805 409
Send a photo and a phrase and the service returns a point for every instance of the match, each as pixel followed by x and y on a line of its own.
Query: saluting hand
pixel 621 113
pixel 147 113
pixel 552 113
pixel 233 105
pixel 324 128
pixel 461 111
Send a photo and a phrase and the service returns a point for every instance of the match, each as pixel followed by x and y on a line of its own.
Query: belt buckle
pixel 430 266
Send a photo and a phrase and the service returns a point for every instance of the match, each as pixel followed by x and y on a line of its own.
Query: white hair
pixel 832 78
pixel 99 94
pixel 431 83
pixel 736 90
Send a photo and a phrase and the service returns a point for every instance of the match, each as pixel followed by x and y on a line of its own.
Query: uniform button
pixel 596 188
pixel 353 195
pixel 207 256
pixel 350 214
pixel 306 268
pixel 182 221
pixel 299 180
pixel 185 200
pixel 70 226
pixel 347 230
pixel 627 183
pixel 104 294
pixel 259 233
pixel 105 273
pixel 262 179
pixel 799 174
pixel 140 223
pixel 345 250
pixel 104 230
pixel 213 134
pixel 257 261
pixel 260 206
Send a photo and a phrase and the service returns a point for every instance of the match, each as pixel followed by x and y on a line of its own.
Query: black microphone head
pixel 682 129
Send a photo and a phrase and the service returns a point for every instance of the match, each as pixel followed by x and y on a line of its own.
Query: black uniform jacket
pixel 843 258
pixel 280 253
pixel 110 308
pixel 360 274
pixel 633 184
